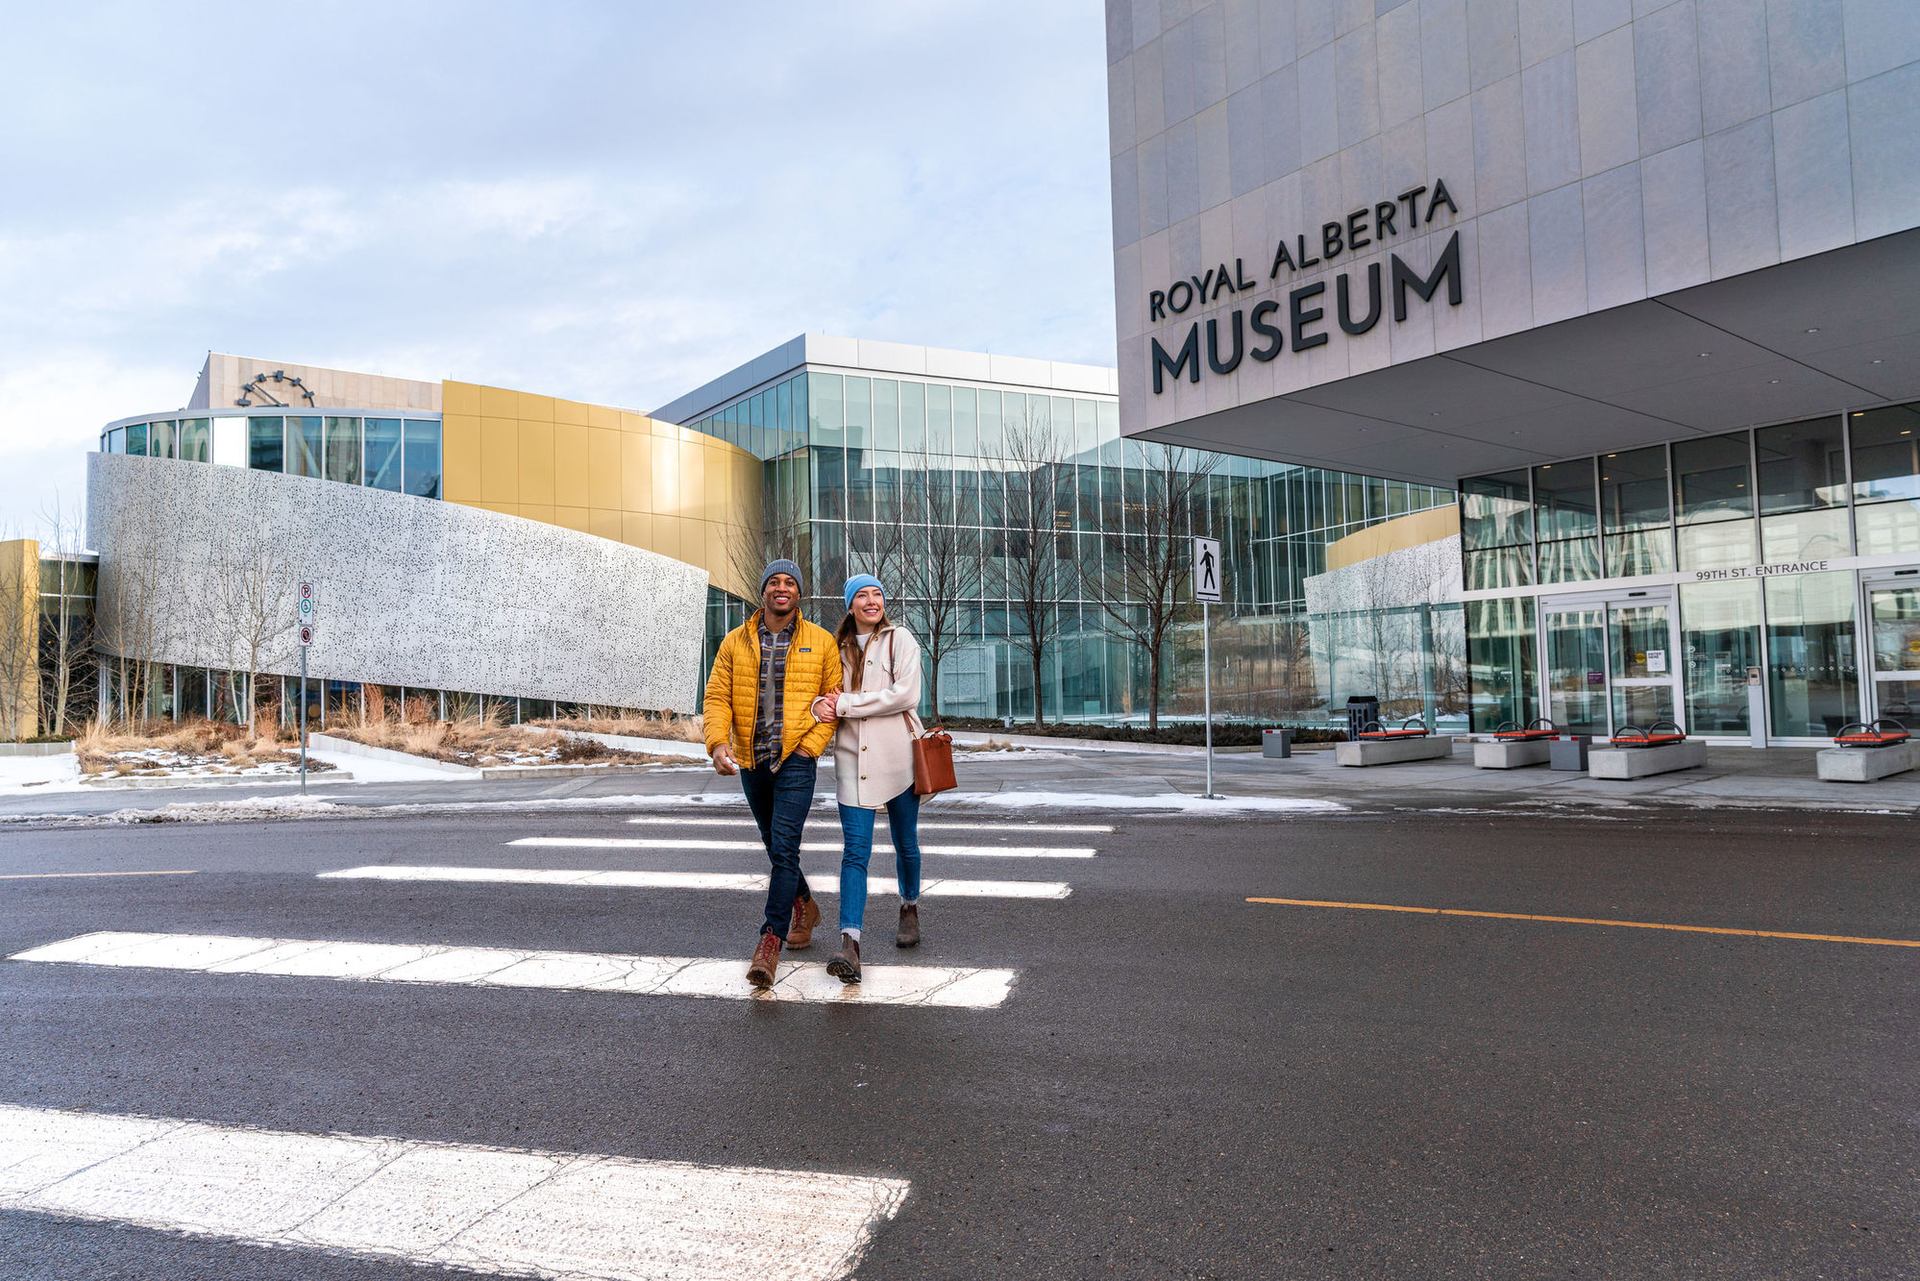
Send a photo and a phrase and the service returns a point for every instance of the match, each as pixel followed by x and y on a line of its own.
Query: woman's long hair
pixel 851 658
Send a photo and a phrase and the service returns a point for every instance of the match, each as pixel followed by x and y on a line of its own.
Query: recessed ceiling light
pixel 1873 362
pixel 1859 413
pixel 1705 354
pixel 1814 330
pixel 1906 431
pixel 1772 381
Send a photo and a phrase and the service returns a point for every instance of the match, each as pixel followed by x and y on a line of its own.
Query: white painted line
pixel 503 1211
pixel 61 876
pixel 924 985
pixel 812 847
pixel 668 820
pixel 825 883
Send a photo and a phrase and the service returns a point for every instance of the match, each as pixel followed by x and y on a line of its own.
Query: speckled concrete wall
pixel 411 591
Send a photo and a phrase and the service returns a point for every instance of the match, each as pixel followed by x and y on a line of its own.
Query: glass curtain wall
pixel 1752 517
pixel 397 454
pixel 869 468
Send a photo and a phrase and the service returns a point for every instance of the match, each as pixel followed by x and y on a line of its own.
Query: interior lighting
pixel 1705 354
pixel 1814 330
pixel 1772 381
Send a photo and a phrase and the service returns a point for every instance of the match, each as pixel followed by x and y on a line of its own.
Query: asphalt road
pixel 1181 1083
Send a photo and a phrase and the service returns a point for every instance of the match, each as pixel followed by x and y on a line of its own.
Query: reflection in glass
pixel 1642 705
pixel 1720 639
pixel 1640 641
pixel 421 460
pixel 343 450
pixel 825 409
pixel 1813 672
pixel 196 440
pixel 1499 567
pixel 1500 660
pixel 137 440
pixel 304 432
pixel 1636 512
pixel 160 439
pixel 1577 671
pixel 1803 491
pixel 383 453
pixel 1722 545
pixel 1495 511
pixel 1886 479
pixel 264 445
pixel 1712 480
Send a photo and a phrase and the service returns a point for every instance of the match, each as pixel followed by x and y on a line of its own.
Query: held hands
pixel 826 708
pixel 723 762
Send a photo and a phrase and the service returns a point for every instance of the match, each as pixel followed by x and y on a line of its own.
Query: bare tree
pixel 19 638
pixel 1147 563
pixel 254 615
pixel 1037 573
pixel 66 636
pixel 751 545
pixel 131 620
pixel 941 574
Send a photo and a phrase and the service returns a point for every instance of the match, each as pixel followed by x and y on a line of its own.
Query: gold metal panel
pixel 460 457
pixel 572 465
pixel 498 402
pixel 605 524
pixel 536 463
pixel 603 453
pixel 460 398
pixel 20 635
pixel 636 465
pixel 532 408
pixel 665 493
pixel 499 460
pixel 572 518
pixel 543 512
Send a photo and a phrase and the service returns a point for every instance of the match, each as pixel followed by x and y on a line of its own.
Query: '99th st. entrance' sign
pixel 1263 331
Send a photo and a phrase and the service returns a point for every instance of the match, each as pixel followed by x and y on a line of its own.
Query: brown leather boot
pixel 845 964
pixel 766 961
pixel 806 915
pixel 908 934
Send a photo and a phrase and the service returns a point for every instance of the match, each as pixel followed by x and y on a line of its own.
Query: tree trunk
pixel 1153 691
pixel 1039 711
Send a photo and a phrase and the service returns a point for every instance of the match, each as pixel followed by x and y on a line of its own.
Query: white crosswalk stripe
pixel 937 887
pixel 811 847
pixel 608 972
pixel 504 1211
pixel 1041 829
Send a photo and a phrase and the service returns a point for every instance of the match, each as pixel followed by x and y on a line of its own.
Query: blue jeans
pixel 780 800
pixel 856 827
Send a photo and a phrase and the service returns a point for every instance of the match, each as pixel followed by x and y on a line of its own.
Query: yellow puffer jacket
pixel 733 690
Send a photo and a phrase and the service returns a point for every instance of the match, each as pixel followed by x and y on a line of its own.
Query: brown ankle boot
pixel 845 964
pixel 766 961
pixel 806 915
pixel 908 934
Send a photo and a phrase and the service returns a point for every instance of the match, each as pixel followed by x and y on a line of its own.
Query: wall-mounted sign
pixel 1760 571
pixel 1656 661
pixel 1262 331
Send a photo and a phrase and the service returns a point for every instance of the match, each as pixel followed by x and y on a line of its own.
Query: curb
pixel 496 772
pixel 36 749
pixel 134 782
pixel 633 743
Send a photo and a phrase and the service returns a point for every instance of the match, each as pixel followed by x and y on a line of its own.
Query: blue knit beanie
pixel 857 582
pixel 786 567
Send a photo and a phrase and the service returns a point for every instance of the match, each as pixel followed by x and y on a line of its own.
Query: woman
pixel 873 761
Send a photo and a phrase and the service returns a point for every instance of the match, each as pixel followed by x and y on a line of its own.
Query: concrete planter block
pixel 1394 751
pixel 1863 764
pixel 1498 755
pixel 348 747
pixel 1644 762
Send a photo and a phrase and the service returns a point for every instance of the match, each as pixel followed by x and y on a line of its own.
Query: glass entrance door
pixel 1893 612
pixel 1577 670
pixel 1643 666
pixel 1611 662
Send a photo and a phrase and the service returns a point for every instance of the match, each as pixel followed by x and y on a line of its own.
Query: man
pixel 759 726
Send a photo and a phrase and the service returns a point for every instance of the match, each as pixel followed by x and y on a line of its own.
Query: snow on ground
pixel 1180 802
pixel 370 769
pixel 33 774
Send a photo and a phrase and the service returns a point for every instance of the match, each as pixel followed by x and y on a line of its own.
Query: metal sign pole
pixel 303 720
pixel 1206 685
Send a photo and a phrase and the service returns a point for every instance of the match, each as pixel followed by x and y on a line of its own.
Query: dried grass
pixel 102 746
pixel 480 740
pixel 681 729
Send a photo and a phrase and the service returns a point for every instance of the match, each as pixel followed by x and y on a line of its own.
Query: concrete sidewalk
pixel 1056 779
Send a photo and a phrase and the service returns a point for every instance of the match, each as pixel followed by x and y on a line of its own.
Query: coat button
pixel 863 776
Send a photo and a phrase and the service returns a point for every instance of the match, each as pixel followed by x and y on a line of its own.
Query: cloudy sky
pixel 605 200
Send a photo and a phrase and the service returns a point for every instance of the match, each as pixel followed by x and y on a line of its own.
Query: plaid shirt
pixel 770 708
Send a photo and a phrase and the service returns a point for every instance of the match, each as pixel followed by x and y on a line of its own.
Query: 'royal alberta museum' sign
pixel 1271 326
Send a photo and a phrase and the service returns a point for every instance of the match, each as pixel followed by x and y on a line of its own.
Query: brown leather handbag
pixel 933 762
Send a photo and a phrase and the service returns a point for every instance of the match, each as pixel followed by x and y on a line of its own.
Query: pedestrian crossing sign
pixel 1206 570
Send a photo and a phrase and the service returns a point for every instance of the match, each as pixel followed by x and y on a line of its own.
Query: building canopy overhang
pixel 1797 340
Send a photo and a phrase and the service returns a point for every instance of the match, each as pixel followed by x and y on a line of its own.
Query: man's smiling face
pixel 780 594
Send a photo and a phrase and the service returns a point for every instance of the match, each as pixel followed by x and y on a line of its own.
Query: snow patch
pixel 1181 802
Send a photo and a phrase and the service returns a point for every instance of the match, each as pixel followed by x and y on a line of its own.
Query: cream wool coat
pixel 873 745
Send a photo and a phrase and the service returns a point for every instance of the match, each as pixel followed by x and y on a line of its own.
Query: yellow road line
pixel 58 876
pixel 1587 920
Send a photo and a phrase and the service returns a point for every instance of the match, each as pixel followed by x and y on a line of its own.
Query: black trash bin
pixel 1362 711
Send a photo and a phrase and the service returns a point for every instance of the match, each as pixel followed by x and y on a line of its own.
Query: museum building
pixel 1637 281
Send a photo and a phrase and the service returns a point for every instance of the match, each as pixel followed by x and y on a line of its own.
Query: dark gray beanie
pixel 786 567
